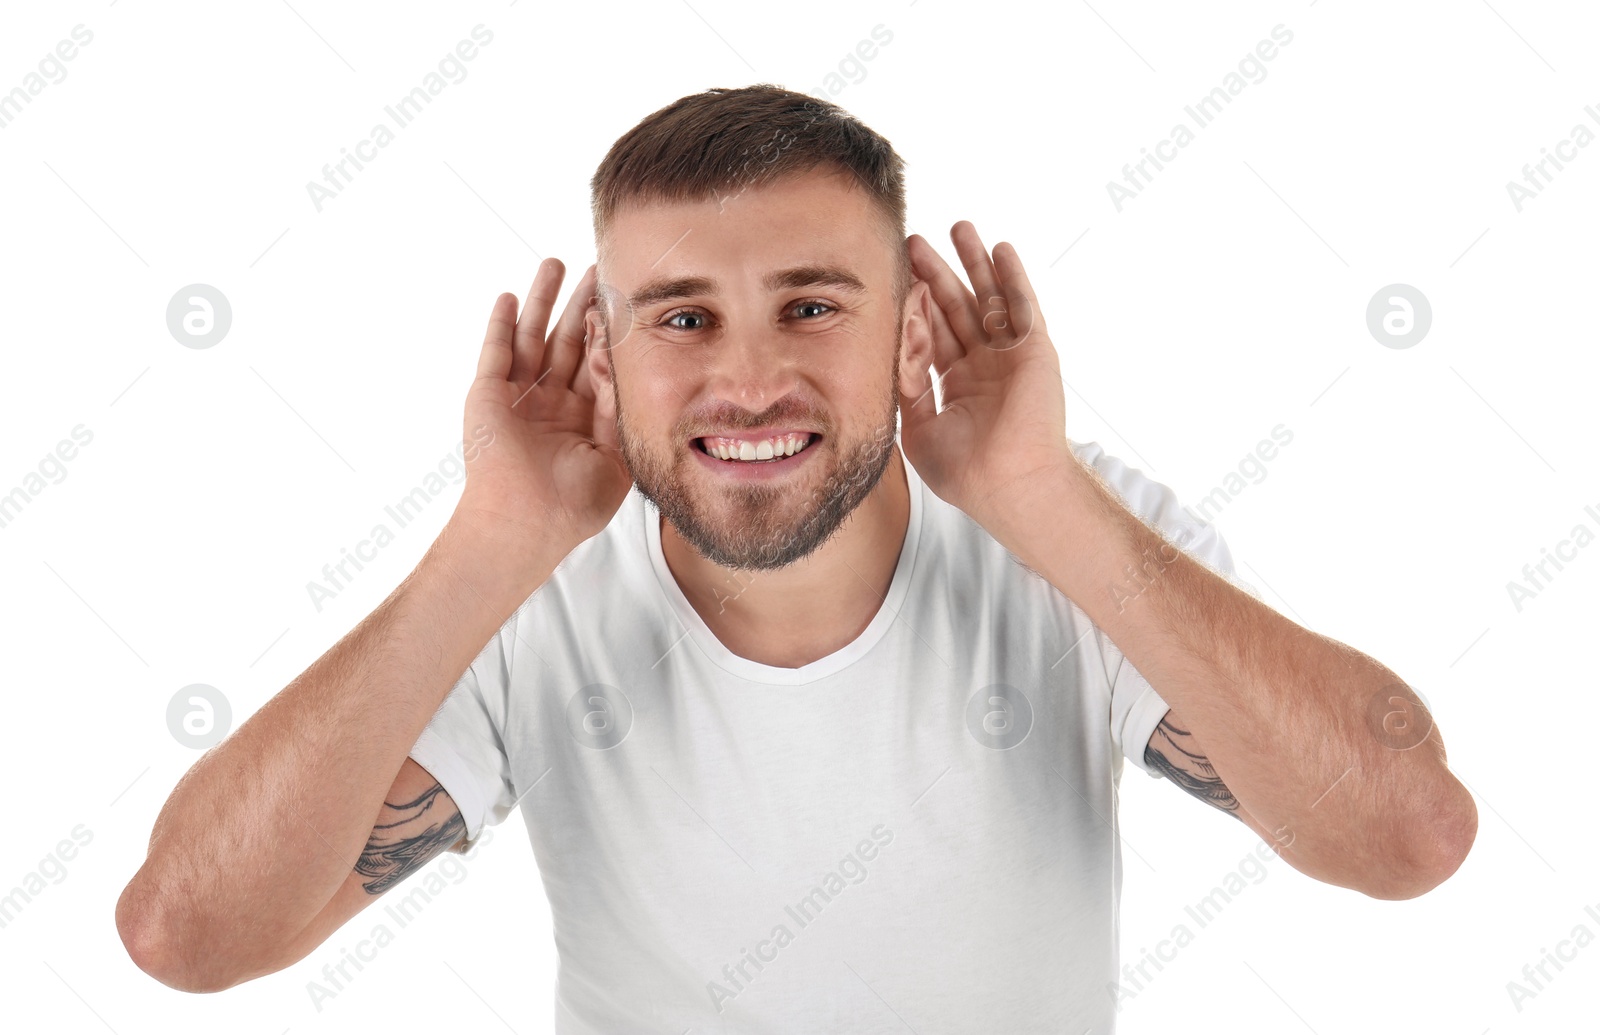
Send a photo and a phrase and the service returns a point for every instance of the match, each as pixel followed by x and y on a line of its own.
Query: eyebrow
pixel 810 275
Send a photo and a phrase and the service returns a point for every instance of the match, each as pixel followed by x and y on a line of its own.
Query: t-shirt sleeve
pixel 463 746
pixel 1136 708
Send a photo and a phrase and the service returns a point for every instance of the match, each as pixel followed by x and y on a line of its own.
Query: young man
pixel 821 728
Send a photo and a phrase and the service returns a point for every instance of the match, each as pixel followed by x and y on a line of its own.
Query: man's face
pixel 764 316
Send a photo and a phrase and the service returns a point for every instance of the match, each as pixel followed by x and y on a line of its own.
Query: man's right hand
pixel 286 829
pixel 551 474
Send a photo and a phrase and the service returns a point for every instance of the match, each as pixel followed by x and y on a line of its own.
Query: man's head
pixel 753 278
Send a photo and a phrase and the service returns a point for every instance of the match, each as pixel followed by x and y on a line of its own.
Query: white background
pixel 1227 298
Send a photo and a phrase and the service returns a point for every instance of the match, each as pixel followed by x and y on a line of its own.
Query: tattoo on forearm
pixel 1173 753
pixel 406 837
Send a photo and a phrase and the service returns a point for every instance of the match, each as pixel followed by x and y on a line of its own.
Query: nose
pixel 752 366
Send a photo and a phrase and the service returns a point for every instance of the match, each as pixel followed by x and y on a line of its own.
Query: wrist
pixel 1028 510
pixel 500 568
pixel 1066 525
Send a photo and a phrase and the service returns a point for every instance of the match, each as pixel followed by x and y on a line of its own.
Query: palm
pixel 549 468
pixel 1004 413
pixel 993 402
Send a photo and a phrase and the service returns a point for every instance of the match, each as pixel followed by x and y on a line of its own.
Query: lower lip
pixel 754 470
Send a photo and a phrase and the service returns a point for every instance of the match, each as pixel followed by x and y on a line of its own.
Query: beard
pixel 757 526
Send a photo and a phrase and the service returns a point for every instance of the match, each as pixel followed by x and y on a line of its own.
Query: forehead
pixel 812 217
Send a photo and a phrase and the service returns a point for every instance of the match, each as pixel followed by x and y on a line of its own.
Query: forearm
pixel 1292 721
pixel 266 826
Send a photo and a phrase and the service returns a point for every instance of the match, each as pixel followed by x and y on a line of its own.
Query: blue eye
pixel 814 305
pixel 683 312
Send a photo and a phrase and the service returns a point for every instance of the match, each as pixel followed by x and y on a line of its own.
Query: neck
pixel 801 613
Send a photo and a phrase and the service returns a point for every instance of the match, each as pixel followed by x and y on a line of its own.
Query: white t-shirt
pixel 916 830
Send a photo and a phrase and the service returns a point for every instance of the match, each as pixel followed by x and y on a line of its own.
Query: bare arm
pixel 1174 753
pixel 418 822
pixel 267 825
pixel 1313 738
pixel 286 828
pixel 1292 723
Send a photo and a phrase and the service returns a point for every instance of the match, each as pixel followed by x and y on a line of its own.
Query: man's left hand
pixel 1004 416
pixel 1003 419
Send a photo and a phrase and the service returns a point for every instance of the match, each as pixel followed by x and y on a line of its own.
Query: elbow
pixel 156 944
pixel 1432 849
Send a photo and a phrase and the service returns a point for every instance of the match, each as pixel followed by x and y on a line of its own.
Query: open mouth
pixel 770 450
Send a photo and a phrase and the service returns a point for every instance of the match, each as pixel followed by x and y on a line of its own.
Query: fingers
pixel 952 297
pixel 529 348
pixel 1006 310
pixel 980 270
pixel 565 348
pixel 495 359
pixel 1021 300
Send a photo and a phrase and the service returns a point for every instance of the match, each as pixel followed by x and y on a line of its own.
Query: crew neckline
pixel 755 671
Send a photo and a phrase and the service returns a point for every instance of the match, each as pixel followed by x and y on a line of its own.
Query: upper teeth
pixel 766 449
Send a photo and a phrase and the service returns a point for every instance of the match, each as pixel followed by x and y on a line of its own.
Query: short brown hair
pixel 724 141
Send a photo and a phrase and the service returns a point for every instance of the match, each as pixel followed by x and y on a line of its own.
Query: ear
pixel 597 356
pixel 916 343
